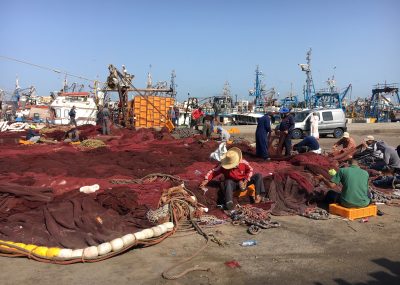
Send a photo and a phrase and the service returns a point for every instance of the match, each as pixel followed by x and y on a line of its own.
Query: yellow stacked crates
pixel 152 111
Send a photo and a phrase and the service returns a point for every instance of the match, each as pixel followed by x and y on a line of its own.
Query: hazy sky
pixel 206 42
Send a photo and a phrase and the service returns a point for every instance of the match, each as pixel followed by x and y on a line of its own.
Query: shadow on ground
pixel 379 277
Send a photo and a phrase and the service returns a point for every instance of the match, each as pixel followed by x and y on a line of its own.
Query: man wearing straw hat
pixel 344 148
pixel 238 174
pixel 346 142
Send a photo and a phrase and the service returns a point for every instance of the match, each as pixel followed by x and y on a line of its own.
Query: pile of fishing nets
pixel 41 202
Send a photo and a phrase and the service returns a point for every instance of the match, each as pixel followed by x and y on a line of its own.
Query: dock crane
pixel 121 82
pixel 325 98
pixel 384 102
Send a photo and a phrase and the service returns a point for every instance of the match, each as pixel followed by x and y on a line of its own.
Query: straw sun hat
pixel 369 138
pixel 232 158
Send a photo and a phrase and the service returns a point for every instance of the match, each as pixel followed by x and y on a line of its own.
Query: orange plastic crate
pixel 353 213
pixel 250 191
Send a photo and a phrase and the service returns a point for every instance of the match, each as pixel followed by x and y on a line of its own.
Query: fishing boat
pixel 86 108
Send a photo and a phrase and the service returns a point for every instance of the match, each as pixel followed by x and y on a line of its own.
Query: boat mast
pixel 309 89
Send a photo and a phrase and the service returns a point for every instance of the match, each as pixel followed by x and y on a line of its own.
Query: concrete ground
pixel 389 132
pixel 302 251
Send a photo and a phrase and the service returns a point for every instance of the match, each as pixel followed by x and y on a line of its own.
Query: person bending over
pixel 238 174
pixel 308 144
pixel 354 182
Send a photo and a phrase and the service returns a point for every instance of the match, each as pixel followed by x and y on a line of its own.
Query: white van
pixel 331 121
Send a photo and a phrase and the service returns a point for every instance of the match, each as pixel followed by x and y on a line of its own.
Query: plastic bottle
pixel 249 242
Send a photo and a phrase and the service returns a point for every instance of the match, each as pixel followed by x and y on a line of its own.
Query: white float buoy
pixel 117 244
pixel 128 239
pixel 65 253
pixel 77 253
pixel 104 248
pixel 90 252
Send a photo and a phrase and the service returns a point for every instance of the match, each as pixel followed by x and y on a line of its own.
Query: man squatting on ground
pixel 390 156
pixel 238 174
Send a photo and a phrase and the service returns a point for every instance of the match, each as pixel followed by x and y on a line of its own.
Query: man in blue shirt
pixel 286 126
pixel 262 131
pixel 32 135
pixel 309 143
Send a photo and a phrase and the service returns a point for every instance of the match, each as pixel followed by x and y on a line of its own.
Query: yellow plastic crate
pixel 353 213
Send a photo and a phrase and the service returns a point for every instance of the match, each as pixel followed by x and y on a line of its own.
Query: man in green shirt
pixel 354 182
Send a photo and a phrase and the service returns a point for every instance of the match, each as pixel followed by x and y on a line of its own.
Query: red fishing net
pixel 41 202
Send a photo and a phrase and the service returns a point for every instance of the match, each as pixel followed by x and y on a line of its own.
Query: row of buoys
pixel 91 252
pixel 14 127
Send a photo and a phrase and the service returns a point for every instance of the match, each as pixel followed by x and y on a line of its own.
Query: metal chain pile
pixel 255 218
pixel 184 132
pixel 316 214
pixel 210 220
pixel 379 197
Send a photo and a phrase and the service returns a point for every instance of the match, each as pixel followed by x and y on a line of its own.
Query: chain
pixel 161 213
pixel 255 218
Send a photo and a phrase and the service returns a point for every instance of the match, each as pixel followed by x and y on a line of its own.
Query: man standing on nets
pixel 72 115
pixel 262 134
pixel 105 120
pixel 197 115
pixel 286 126
pixel 238 174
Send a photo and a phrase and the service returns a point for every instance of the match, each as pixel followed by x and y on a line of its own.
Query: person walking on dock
pixel 72 115
pixel 314 119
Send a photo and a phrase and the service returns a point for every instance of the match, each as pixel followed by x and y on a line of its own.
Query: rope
pixel 166 273
pixel 148 178
pixel 48 68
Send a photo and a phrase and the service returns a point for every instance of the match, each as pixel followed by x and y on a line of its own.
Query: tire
pixel 297 134
pixel 337 133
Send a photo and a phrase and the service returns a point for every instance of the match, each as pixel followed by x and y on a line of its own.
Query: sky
pixel 206 42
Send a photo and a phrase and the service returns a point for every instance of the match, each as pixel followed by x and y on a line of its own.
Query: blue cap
pixel 284 110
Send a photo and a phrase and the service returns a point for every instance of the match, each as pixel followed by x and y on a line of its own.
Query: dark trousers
pixel 231 185
pixel 106 127
pixel 207 128
pixel 301 149
pixel 73 121
pixel 288 144
pixel 386 181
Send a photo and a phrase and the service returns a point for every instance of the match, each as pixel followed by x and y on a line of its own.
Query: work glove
pixel 242 185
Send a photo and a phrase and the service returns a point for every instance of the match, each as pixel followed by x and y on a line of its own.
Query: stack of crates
pixel 152 111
